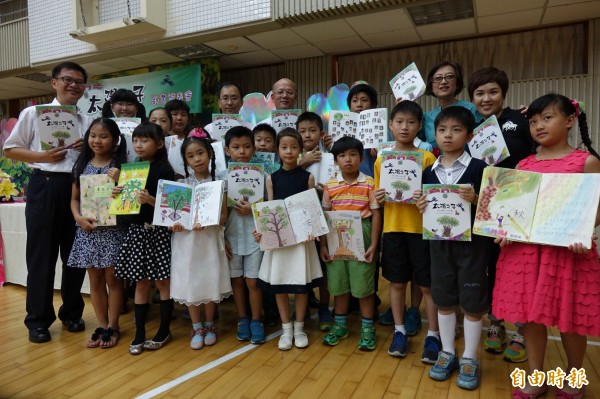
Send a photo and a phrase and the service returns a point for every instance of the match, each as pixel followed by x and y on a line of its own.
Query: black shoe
pixel 39 335
pixel 74 325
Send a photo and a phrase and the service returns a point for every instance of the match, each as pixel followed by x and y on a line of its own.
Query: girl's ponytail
pixel 120 153
pixel 583 129
pixel 213 164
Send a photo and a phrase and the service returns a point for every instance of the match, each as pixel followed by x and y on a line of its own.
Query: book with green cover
pixel 133 179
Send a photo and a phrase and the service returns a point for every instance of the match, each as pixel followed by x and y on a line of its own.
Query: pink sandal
pixel 519 394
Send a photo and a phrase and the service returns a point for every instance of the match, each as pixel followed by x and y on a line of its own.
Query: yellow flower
pixel 7 189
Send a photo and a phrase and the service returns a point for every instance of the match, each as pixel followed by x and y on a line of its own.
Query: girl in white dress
pixel 199 267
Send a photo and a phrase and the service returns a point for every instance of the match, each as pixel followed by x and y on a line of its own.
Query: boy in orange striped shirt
pixel 351 190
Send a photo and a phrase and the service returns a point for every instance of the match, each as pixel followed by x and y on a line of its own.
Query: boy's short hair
pixel 407 107
pixel 289 132
pixel 346 143
pixel 265 127
pixel 488 75
pixel 308 116
pixel 177 105
pixel 238 132
pixel 363 88
pixel 458 113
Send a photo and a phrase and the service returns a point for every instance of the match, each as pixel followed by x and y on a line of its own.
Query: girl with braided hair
pixel 545 285
pixel 199 266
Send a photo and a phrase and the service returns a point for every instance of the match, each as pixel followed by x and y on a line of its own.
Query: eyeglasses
pixel 449 77
pixel 233 99
pixel 124 104
pixel 290 93
pixel 69 81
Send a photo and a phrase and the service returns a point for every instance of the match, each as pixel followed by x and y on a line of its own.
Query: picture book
pixel 245 182
pixel 280 119
pixel 267 159
pixel 488 143
pixel 290 221
pixel 133 178
pixel 400 175
pixel 57 125
pixel 544 208
pixel 324 169
pixel 126 126
pixel 221 123
pixel 408 84
pixel 95 193
pixel 369 126
pixel 345 238
pixel 447 216
pixel 188 205
pixel 386 146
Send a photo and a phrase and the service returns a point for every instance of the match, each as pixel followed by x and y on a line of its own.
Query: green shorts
pixel 352 276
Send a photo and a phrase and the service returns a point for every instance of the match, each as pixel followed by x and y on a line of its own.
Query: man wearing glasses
pixel 284 95
pixel 230 101
pixel 49 221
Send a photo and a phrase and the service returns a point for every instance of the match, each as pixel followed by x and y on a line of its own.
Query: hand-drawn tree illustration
pixel 176 199
pixel 246 193
pixel 274 220
pixel 129 192
pixel 447 222
pixel 61 136
pixel 488 155
pixel 400 187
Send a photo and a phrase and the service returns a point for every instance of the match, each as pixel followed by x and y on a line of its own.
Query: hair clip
pixel 579 107
pixel 198 132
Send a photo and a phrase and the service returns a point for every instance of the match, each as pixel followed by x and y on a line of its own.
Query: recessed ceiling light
pixel 443 11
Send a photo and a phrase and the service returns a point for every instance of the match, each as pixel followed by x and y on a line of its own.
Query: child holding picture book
pixel 405 255
pixel 97 245
pixel 545 285
pixel 458 268
pixel 146 251
pixel 352 191
pixel 294 269
pixel 199 266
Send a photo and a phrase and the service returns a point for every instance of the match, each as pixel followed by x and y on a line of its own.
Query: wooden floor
pixel 64 368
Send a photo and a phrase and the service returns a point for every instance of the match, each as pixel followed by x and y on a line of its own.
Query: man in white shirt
pixel 230 101
pixel 49 221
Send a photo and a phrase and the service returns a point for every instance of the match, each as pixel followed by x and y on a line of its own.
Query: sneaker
pixel 285 342
pixel 443 368
pixel 412 322
pixel 468 376
pixel 335 334
pixel 197 341
pixel 325 319
pixel 496 338
pixel 257 332
pixel 367 339
pixel 387 318
pixel 399 345
pixel 516 352
pixel 431 350
pixel 243 329
pixel 210 335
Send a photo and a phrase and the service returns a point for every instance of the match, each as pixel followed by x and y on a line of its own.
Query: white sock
pixel 298 326
pixel 447 324
pixel 472 337
pixel 287 329
pixel 433 334
pixel 400 327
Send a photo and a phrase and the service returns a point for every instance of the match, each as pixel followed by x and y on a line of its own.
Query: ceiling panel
pixel 380 22
pixel 447 30
pixel 94 68
pixel 227 62
pixel 296 52
pixel 342 45
pixel 234 45
pixel 493 7
pixel 392 38
pixel 124 63
pixel 277 39
pixel 322 31
pixel 572 12
pixel 256 58
pixel 156 58
pixel 502 22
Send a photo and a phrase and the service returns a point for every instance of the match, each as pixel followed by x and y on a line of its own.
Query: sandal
pixel 519 394
pixel 110 338
pixel 94 340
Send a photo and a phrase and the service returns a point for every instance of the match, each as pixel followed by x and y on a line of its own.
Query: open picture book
pixel 95 198
pixel 369 126
pixel 133 179
pixel 544 208
pixel 287 222
pixel 345 238
pixel 188 205
pixel 400 175
pixel 447 216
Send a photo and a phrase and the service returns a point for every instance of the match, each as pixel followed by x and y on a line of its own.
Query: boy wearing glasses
pixel 49 221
